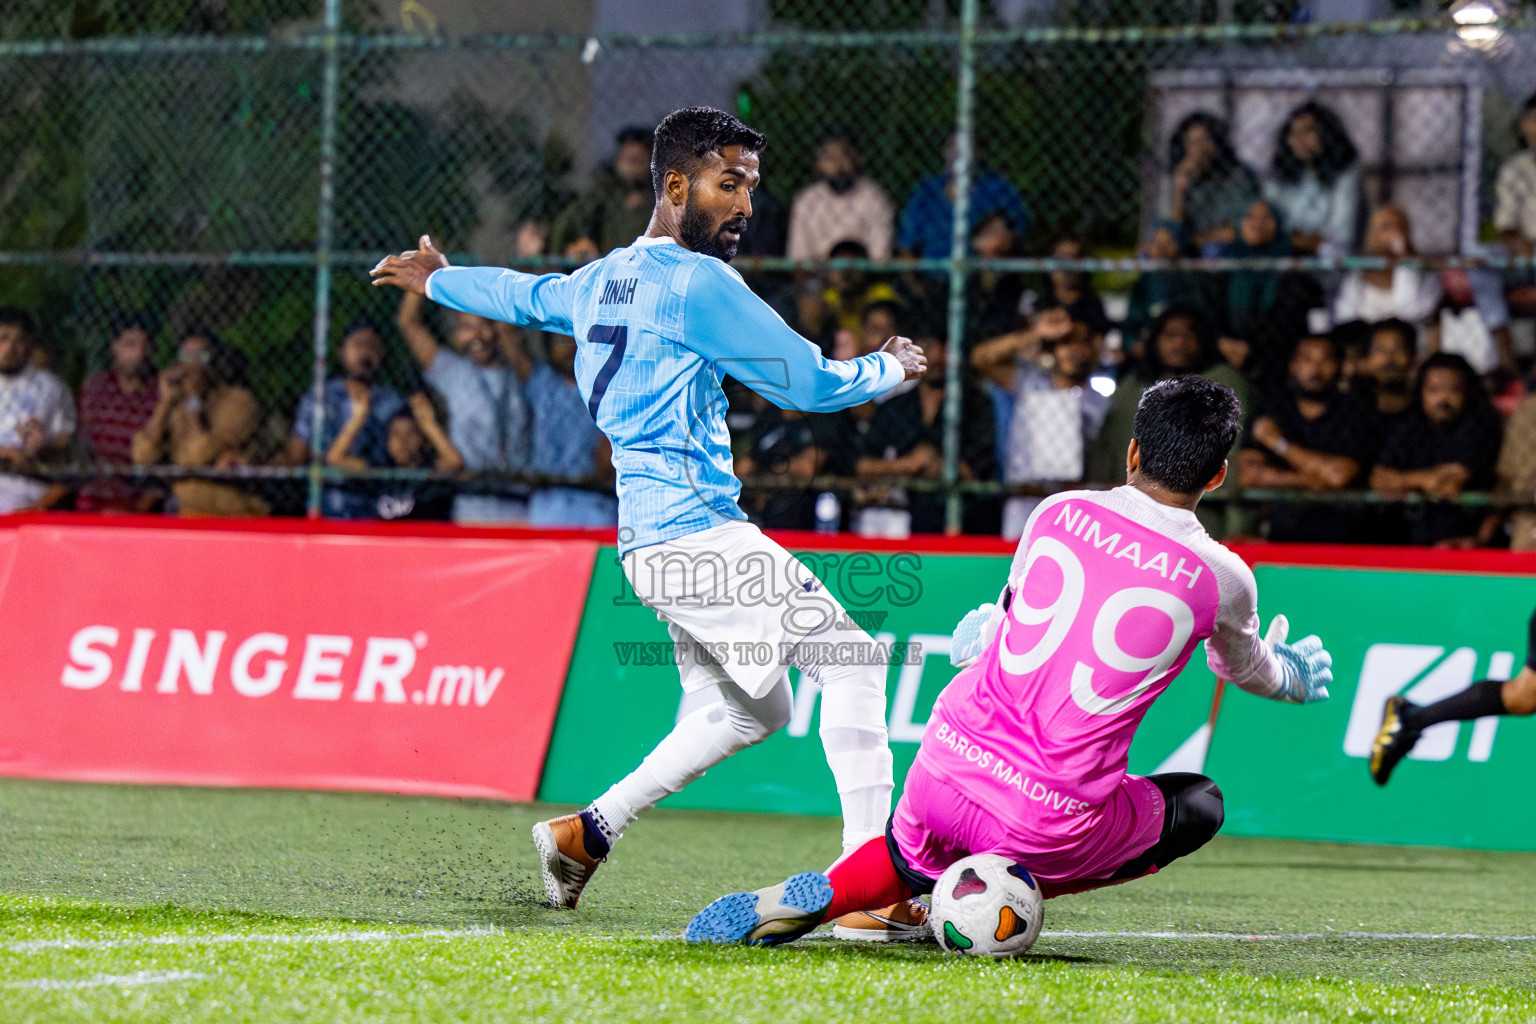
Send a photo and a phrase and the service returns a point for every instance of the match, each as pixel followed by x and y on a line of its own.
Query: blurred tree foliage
pixel 1065 121
pixel 1070 132
pixel 85 19
pixel 899 105
pixel 219 153
pixel 819 15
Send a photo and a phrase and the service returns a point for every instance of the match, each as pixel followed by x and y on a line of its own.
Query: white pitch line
pixel 275 938
pixel 236 938
pixel 824 937
pixel 1251 936
pixel 1295 936
pixel 115 980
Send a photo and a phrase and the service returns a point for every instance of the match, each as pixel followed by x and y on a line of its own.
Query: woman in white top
pixel 1314 181
pixel 1404 292
pixel 1414 295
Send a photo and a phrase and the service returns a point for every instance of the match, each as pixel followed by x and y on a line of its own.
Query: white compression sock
pixel 853 734
pixel 700 741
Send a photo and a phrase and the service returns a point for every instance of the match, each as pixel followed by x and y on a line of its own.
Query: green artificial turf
pixel 148 904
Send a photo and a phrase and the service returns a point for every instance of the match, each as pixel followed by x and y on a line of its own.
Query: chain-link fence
pixel 1335 219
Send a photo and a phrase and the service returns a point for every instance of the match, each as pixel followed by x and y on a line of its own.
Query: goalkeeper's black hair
pixel 685 137
pixel 1185 427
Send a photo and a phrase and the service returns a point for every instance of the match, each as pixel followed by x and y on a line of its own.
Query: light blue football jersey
pixel 657 326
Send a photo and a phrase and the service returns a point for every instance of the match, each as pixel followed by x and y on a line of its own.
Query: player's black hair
pixel 1185 427
pixel 1472 390
pixel 1339 153
pixel 635 133
pixel 14 316
pixel 686 136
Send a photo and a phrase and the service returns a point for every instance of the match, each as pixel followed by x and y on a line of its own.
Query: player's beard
pixel 704 236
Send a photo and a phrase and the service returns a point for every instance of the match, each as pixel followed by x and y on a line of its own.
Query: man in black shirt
pixel 787 442
pixel 906 439
pixel 1386 371
pixel 1314 437
pixel 1447 444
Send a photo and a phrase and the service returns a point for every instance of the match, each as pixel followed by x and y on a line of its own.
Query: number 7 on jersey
pixel 618 337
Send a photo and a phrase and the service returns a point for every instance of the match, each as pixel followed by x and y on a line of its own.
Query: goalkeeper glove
pixel 1305 667
pixel 972 635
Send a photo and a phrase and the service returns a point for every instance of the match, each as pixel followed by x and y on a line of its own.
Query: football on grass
pixel 986 905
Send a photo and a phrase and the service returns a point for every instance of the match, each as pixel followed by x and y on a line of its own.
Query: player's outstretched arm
pixel 1306 667
pixel 1264 666
pixel 541 301
pixel 1296 673
pixel 726 323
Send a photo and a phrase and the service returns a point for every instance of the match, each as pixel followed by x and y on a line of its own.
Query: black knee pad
pixel 1201 809
pixel 1194 813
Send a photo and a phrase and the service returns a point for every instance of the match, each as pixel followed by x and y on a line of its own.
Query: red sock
pixel 865 880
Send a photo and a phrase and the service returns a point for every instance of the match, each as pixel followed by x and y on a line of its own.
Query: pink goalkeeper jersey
pixel 1112 591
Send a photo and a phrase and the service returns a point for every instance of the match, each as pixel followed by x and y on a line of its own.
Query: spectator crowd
pixel 1401 382
pixel 484 406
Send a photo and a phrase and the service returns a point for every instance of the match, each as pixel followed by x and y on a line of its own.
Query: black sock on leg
pixel 1479 700
pixel 594 837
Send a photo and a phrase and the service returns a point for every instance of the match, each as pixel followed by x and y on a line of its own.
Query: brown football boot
pixel 563 858
pixel 900 922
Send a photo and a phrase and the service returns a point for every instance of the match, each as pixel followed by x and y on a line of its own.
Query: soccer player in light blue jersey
pixel 657 325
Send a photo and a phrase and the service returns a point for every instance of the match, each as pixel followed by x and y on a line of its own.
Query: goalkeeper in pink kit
pixel 1025 753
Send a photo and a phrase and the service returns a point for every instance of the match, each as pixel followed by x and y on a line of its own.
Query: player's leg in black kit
pixel 1403 722
pixel 1193 812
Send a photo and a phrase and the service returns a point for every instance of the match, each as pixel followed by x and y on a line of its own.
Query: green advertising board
pixel 1300 772
pixel 616 706
pixel 1286 770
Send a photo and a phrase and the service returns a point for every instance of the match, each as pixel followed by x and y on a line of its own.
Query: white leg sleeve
pixel 853 733
pixel 700 741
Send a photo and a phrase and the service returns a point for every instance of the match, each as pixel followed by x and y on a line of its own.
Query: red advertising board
pixel 316 660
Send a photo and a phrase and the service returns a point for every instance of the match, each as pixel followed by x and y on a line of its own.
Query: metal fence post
pixel 959 244
pixel 324 231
